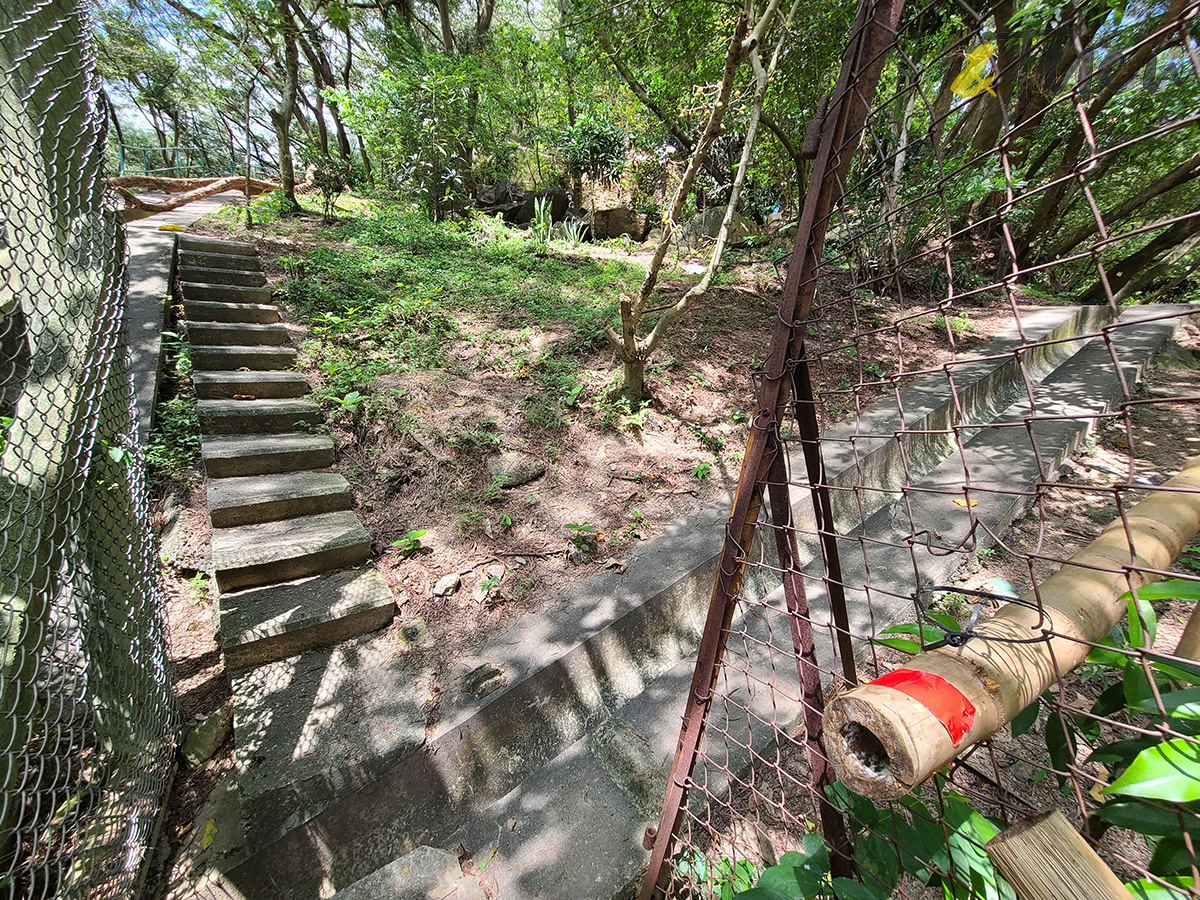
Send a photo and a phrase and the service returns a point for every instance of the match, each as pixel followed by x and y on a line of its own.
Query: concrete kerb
pixel 623 644
pixel 150 276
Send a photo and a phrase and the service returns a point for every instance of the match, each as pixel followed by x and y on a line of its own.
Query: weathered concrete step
pixel 266 624
pixel 210 311
pixel 225 293
pixel 267 498
pixel 257 416
pixel 216 275
pixel 230 456
pixel 224 359
pixel 254 555
pixel 236 334
pixel 423 874
pixel 201 244
pixel 269 385
pixel 608 655
pixel 205 260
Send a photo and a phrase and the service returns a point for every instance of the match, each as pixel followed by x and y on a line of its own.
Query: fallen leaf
pixel 614 564
pixel 244 397
pixel 209 835
pixel 961 502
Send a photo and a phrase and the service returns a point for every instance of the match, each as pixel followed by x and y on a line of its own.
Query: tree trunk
pixel 1051 198
pixel 1126 276
pixel 994 108
pixel 282 118
pixel 443 8
pixel 322 128
pixel 1181 174
pixel 217 186
pixel 634 386
pixel 635 352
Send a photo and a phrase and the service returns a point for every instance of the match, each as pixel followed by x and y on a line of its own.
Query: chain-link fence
pixel 86 710
pixel 972 507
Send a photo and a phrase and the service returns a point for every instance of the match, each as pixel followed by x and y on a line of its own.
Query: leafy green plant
pixel 573 230
pixel 5 424
pixel 197 588
pixel 349 404
pixel 720 879
pixel 411 542
pixel 702 471
pixel 939 844
pixel 505 522
pixel 583 536
pixel 175 439
pixel 539 228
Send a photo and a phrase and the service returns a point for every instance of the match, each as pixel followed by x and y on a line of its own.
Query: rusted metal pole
pixel 873 32
pixel 833 826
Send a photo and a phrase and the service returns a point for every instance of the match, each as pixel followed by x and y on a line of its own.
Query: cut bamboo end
pixel 1045 858
pixel 883 741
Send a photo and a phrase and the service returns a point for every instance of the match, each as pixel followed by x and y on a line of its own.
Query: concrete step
pixel 550 747
pixel 266 498
pixel 263 625
pixel 236 334
pixel 218 275
pixel 206 260
pixel 225 293
pixel 421 875
pixel 254 555
pixel 230 456
pixel 200 244
pixel 257 416
pixel 209 311
pixel 224 359
pixel 268 385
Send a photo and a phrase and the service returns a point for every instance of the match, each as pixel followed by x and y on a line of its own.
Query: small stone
pixel 497 570
pixel 511 469
pixel 484 680
pixel 203 741
pixel 447 585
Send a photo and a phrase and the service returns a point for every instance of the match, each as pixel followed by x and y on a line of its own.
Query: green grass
pixel 389 297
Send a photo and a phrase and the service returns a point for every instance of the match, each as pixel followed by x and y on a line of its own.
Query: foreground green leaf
pixel 1169 771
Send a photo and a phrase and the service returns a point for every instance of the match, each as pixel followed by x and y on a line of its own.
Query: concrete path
pixel 150 252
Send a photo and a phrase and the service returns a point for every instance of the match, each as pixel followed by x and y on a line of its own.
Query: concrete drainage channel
pixel 553 777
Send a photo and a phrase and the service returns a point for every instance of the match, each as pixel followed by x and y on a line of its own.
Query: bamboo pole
pixel 1045 858
pixel 883 741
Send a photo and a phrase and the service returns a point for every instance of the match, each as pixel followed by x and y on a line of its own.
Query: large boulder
pixel 522 213
pixel 502 193
pixel 612 223
pixel 707 224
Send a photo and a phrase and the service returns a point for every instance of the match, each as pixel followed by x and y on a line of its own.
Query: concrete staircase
pixel 283 531
pixel 552 772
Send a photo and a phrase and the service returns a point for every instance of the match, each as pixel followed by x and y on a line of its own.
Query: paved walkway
pixel 149 283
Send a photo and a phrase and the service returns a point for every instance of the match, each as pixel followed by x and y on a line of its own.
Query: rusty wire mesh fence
pixel 960 400
pixel 86 711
